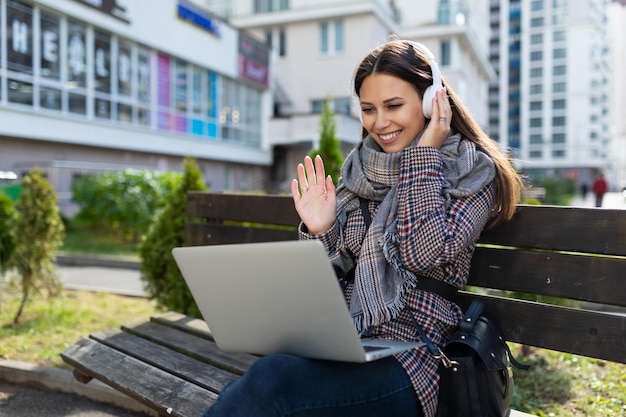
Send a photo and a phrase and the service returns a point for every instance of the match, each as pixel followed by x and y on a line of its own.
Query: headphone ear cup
pixel 427 101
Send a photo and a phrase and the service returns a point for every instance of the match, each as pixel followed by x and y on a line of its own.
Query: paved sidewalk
pixel 27 401
pixel 28 390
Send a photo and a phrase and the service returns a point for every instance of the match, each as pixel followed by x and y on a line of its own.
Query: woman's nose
pixel 381 120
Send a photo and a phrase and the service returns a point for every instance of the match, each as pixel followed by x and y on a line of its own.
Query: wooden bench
pixel 170 363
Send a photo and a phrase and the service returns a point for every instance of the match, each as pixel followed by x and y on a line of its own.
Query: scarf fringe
pixel 408 282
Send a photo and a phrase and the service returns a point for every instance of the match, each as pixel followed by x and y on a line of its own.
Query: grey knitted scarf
pixel 368 172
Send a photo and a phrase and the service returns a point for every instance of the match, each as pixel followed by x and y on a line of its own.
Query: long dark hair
pixel 405 60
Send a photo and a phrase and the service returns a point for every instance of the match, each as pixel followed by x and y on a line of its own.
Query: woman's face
pixel 392 111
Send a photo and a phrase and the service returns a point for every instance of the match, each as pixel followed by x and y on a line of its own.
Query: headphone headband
pixel 429 93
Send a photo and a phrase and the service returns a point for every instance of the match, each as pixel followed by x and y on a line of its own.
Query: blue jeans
pixel 284 385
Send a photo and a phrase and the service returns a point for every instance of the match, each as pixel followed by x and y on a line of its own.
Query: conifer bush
pixel 37 234
pixel 329 147
pixel 162 280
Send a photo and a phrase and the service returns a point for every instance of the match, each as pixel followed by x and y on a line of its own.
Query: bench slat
pixel 573 229
pixel 194 326
pixel 201 349
pixel 273 209
pixel 585 278
pixel 146 384
pixel 581 332
pixel 200 373
pixel 198 234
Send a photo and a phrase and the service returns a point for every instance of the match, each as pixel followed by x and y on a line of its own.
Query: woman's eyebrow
pixel 384 101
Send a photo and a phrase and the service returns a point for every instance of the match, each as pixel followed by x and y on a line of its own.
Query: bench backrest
pixel 569 262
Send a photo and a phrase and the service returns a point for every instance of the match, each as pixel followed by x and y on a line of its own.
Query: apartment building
pixel 88 86
pixel 551 101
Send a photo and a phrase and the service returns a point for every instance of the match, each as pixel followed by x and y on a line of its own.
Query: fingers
pixel 320 174
pixel 310 174
pixel 443 111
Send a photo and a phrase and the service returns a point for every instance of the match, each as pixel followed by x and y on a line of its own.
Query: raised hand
pixel 439 126
pixel 314 196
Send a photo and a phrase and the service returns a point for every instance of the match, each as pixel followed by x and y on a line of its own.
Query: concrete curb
pixel 98 261
pixel 61 380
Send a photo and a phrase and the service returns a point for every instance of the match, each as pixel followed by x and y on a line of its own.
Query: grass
pixel 48 326
pixel 564 385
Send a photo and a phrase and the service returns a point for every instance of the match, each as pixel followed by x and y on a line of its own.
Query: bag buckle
pixel 446 361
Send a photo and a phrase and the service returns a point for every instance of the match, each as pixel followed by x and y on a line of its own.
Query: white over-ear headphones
pixel 431 91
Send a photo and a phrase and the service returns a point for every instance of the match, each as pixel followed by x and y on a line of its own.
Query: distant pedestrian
pixel 599 188
pixel 584 189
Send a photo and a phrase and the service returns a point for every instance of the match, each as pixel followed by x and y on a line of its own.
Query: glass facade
pixel 74 69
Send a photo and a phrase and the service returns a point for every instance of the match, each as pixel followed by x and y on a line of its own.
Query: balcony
pixel 306 128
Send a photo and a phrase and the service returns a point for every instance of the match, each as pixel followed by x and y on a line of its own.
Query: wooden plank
pixel 271 209
pixel 588 333
pixel 192 325
pixel 586 278
pixel 575 229
pixel 199 234
pixel 187 344
pixel 159 390
pixel 200 373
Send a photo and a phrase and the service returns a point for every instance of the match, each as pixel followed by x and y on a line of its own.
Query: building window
pixel 50 62
pixel 536 22
pixel 536 72
pixel 536 56
pixel 559 70
pixel 446 53
pixel 559 87
pixel 558 153
pixel 536 89
pixel 559 53
pixel 536 105
pixel 558 138
pixel 535 139
pixel 558 121
pixel 534 154
pixel 267 6
pixel 536 122
pixel 331 37
pixel 536 39
pixel 558 36
pixel 339 105
pixel 276 40
pixel 558 104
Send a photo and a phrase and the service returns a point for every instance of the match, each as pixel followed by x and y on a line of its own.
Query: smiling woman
pixel 412 199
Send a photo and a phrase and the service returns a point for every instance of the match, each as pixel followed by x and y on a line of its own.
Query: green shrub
pixel 123 203
pixel 37 234
pixel 559 191
pixel 159 272
pixel 7 216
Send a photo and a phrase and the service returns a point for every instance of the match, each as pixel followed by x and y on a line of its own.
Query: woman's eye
pixel 394 106
pixel 367 110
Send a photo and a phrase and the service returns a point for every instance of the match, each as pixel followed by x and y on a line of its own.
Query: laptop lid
pixel 274 297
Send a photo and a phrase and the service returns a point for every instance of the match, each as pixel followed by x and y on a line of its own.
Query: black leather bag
pixel 476 374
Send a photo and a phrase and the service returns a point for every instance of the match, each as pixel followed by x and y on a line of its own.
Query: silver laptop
pixel 276 297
